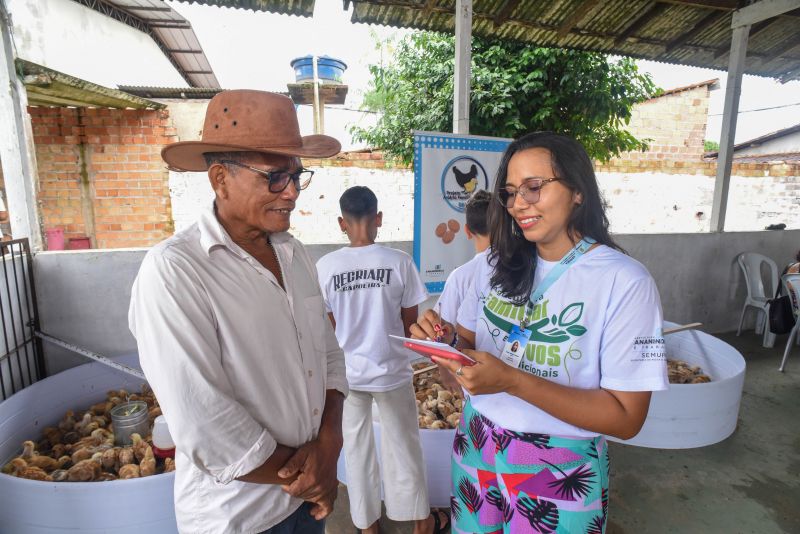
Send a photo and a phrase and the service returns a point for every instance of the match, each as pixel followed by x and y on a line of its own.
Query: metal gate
pixel 22 360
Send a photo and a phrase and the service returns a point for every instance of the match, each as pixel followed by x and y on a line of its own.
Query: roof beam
pixel 183 51
pixel 426 11
pixel 701 25
pixel 641 19
pixel 575 18
pixel 502 16
pixel 762 10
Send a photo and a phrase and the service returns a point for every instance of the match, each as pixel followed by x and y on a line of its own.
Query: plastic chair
pixel 791 283
pixel 757 292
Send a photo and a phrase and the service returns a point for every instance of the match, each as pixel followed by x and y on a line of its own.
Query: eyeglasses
pixel 279 180
pixel 530 191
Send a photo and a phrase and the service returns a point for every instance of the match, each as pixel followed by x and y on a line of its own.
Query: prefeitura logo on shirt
pixel 362 279
pixel 547 353
pixel 649 349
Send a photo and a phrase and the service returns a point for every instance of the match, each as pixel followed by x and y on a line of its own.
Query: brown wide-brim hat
pixel 249 121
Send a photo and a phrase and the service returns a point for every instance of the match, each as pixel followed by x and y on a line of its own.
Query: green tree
pixel 710 146
pixel 516 88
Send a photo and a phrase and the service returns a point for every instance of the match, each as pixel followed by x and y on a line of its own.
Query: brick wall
pixel 101 174
pixel 675 123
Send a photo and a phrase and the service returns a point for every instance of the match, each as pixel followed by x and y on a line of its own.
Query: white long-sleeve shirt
pixel 238 365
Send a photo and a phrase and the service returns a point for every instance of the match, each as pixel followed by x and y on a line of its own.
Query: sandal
pixel 438 528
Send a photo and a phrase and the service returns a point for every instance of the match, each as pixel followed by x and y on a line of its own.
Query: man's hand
pixel 324 506
pixel 316 463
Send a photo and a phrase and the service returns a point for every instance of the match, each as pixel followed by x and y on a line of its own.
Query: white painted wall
pixel 68 37
pixel 83 295
pixel 644 203
pixel 782 145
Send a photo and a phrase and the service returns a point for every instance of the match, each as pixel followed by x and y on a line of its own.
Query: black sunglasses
pixel 279 180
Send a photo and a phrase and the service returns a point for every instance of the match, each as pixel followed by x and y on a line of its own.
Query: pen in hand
pixel 438 327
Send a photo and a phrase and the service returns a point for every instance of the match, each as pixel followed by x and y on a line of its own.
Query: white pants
pixel 404 486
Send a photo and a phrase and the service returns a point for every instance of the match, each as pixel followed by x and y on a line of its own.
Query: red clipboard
pixel 428 351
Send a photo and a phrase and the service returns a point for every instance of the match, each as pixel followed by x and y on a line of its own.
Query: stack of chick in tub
pixel 437 408
pixel 81 448
pixel 681 372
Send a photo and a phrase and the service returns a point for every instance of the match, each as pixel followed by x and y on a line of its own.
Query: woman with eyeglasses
pixel 529 454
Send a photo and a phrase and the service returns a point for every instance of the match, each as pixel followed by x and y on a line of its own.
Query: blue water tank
pixel 329 69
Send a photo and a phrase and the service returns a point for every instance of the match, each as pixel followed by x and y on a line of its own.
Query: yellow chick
pixel 125 457
pixel 147 466
pixel 84 453
pixel 68 423
pixel 139 445
pixel 83 423
pixel 52 435
pixel 22 470
pixel 59 475
pixel 110 458
pixel 58 450
pixel 129 471
pixel 84 471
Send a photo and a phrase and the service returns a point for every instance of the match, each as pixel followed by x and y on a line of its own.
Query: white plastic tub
pixel 35 507
pixel 695 415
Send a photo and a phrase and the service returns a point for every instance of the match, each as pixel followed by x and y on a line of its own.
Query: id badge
pixel 514 349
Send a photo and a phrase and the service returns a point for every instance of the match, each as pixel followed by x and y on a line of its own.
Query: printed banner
pixel 448 170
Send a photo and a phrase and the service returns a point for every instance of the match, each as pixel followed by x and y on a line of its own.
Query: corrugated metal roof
pixel 694 33
pixel 171 32
pixel 300 8
pixel 48 87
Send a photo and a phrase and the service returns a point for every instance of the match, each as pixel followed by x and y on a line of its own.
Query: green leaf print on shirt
pixel 563 325
pixel 571 315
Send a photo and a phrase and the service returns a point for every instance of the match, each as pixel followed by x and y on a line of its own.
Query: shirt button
pixel 316 412
pixel 310 373
pixel 300 335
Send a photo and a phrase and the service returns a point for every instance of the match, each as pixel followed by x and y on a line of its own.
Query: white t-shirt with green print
pixel 598 326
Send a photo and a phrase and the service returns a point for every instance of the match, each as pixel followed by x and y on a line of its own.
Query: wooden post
pixel 17 153
pixel 461 82
pixel 730 113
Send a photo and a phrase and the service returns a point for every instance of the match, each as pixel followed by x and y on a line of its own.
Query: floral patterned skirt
pixel 516 482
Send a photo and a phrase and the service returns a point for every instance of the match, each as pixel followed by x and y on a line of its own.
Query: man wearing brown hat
pixel 233 336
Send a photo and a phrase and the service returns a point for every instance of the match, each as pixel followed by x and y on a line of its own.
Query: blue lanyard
pixel 565 263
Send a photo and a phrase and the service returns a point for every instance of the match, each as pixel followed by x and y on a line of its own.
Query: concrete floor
pixel 749 483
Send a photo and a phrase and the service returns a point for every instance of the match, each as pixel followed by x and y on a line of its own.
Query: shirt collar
pixel 213 234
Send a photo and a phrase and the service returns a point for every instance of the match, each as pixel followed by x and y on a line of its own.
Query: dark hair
pixel 798 256
pixel 476 210
pixel 358 202
pixel 513 256
pixel 218 157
